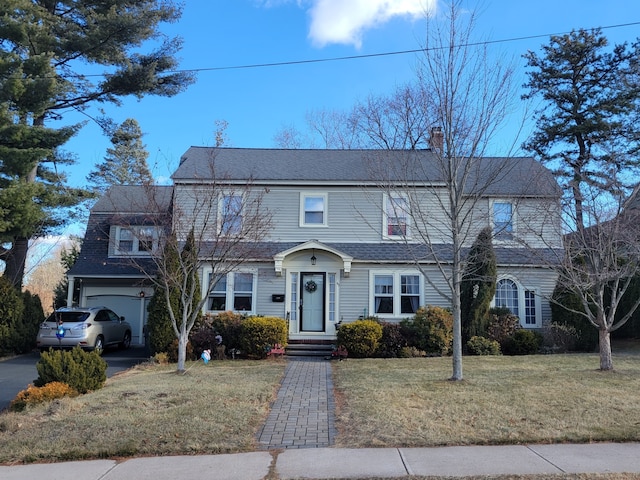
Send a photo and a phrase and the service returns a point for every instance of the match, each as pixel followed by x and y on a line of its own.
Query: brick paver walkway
pixel 303 414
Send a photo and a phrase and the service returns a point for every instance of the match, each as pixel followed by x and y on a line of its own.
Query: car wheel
pixel 99 345
pixel 126 341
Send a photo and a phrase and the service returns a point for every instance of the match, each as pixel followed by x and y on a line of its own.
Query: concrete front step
pixel 308 350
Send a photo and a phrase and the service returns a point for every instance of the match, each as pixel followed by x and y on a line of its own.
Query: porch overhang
pixel 279 258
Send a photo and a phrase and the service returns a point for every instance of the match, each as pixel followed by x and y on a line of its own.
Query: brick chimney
pixel 437 139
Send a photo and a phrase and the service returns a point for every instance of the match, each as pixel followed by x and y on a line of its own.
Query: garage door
pixel 125 306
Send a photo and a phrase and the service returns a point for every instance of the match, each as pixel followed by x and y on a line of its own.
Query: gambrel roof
pixel 513 176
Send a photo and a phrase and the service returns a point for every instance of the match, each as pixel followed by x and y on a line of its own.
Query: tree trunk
pixel 606 363
pixel 15 261
pixel 182 351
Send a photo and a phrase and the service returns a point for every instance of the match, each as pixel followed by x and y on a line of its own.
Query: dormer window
pixel 135 240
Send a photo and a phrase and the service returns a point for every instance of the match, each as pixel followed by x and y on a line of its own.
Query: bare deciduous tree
pixel 208 229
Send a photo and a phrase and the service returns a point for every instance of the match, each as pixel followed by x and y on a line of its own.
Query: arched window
pixel 523 303
pixel 507 295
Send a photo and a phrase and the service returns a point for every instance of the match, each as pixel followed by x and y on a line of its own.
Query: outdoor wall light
pixel 313 257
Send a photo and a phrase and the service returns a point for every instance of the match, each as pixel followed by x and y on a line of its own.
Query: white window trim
pixel 135 249
pixel 221 197
pixel 385 216
pixel 514 220
pixel 396 274
pixel 521 301
pixel 206 272
pixel 325 213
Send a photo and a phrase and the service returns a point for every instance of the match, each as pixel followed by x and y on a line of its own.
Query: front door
pixel 312 293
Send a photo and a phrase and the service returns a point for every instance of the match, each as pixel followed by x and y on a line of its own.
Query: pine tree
pixel 43 44
pixel 126 160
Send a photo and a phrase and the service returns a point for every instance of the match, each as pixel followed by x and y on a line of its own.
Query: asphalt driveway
pixel 18 372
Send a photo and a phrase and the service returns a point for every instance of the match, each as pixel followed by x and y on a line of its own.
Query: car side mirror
pixel 122 319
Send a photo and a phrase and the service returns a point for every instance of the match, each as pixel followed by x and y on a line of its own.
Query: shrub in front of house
pixel 523 342
pixel 361 338
pixel 229 326
pixel 502 326
pixel 482 346
pixel 172 352
pixel 392 341
pixel 430 330
pixel 82 371
pixel 33 395
pixel 259 334
pixel 559 338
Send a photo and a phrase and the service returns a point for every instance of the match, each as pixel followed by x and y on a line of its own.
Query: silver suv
pixel 92 328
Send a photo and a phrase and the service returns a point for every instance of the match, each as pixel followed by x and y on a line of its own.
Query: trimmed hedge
pixel 259 334
pixel 361 338
pixel 482 346
pixel 430 330
pixel 82 371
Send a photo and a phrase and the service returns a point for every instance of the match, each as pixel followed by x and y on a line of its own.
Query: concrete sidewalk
pixel 327 463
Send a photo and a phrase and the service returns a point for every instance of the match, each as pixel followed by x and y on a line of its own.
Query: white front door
pixel 312 302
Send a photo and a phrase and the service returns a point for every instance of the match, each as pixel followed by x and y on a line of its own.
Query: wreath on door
pixel 311 286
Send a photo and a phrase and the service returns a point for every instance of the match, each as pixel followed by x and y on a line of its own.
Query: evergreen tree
pixel 126 161
pixel 43 44
pixel 478 286
pixel 68 259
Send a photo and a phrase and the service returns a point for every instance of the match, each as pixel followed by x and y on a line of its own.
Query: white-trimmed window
pixel 230 214
pixel 522 302
pixel 313 209
pixel 235 291
pixel 396 216
pixel 395 294
pixel 503 220
pixel 138 240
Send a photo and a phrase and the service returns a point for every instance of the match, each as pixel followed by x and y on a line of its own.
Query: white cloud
pixel 345 21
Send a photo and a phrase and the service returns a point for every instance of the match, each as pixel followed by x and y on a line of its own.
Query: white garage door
pixel 125 306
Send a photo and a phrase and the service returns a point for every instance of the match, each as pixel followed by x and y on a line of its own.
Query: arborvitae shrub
pixel 392 341
pixel 32 317
pixel 482 346
pixel 258 334
pixel 430 330
pixel 361 338
pixel 83 371
pixel 523 342
pixel 11 312
pixel 34 395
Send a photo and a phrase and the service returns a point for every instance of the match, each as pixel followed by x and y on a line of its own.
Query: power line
pixel 364 56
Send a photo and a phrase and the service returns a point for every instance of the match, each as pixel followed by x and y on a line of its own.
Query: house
pixel 348 229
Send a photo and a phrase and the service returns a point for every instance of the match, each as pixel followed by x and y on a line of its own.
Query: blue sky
pixel 259 102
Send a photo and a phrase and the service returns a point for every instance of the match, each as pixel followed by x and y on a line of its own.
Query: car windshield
pixel 68 317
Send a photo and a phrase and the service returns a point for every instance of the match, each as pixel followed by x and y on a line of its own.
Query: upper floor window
pixel 230 214
pixel 136 240
pixel 396 216
pixel 395 294
pixel 503 220
pixel 234 291
pixel 313 209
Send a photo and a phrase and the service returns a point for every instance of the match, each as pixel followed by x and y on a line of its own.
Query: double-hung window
pixel 313 209
pixel 230 214
pixel 234 291
pixel 135 240
pixel 396 216
pixel 395 293
pixel 503 220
